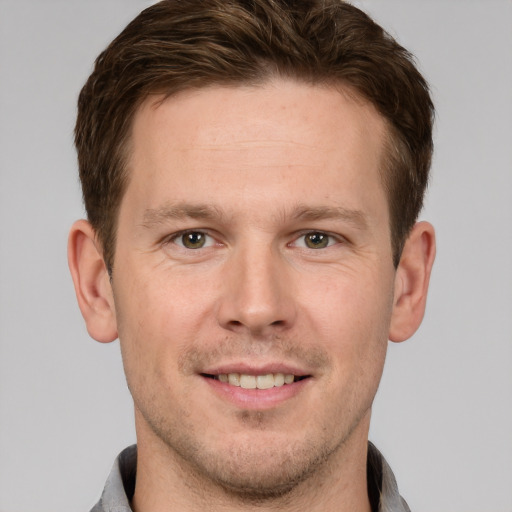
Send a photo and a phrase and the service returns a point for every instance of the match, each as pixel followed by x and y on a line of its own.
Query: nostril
pixel 256 327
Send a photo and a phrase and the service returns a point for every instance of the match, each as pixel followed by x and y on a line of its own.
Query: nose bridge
pixel 256 291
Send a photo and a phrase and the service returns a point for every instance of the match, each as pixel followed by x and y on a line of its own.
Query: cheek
pixel 158 318
pixel 355 333
pixel 351 315
pixel 144 319
pixel 161 301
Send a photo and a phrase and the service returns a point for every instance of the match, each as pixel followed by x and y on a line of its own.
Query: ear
pixel 92 283
pixel 411 282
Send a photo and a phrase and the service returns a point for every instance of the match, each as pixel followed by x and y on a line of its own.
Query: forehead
pixel 256 139
pixel 282 99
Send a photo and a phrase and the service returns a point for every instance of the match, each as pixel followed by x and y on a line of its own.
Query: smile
pixel 245 381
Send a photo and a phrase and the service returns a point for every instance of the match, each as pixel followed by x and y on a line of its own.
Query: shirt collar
pixel 120 484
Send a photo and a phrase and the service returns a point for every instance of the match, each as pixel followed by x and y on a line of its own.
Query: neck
pixel 165 482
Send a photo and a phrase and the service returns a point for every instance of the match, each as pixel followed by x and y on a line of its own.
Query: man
pixel 252 173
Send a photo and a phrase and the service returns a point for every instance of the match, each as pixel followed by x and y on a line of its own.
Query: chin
pixel 255 468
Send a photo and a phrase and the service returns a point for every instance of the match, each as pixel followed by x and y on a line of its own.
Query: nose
pixel 257 292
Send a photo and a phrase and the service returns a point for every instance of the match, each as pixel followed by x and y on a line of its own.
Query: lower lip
pixel 256 399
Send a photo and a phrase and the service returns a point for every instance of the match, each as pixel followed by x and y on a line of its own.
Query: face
pixel 253 279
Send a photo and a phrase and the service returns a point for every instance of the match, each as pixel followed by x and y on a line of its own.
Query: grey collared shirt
pixel 120 486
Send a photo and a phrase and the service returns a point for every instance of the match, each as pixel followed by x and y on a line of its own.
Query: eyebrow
pixel 156 216
pixel 355 217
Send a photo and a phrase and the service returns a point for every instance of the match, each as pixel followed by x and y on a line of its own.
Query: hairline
pixel 391 139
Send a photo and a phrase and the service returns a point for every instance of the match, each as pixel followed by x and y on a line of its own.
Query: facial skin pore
pixel 253 239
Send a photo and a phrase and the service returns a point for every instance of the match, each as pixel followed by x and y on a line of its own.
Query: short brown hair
pixel 183 44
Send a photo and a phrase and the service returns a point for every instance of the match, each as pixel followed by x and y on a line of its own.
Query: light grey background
pixel 443 415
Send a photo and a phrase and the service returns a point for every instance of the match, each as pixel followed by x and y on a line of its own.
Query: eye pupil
pixel 317 240
pixel 193 240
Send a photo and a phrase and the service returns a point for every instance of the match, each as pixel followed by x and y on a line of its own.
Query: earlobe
pixel 92 283
pixel 411 282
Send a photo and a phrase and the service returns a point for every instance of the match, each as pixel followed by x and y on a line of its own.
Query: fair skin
pixel 253 239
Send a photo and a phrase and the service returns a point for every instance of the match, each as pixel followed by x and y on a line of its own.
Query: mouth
pixel 247 381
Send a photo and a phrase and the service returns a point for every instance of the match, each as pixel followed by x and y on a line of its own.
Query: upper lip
pixel 254 369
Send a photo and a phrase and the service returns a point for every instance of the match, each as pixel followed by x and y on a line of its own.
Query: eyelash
pixel 331 239
pixel 177 237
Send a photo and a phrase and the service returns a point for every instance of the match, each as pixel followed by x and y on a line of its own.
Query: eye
pixel 315 240
pixel 193 240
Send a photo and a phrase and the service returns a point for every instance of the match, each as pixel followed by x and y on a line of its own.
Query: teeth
pixel 265 381
pixel 288 379
pixel 248 381
pixel 279 379
pixel 256 381
pixel 234 379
